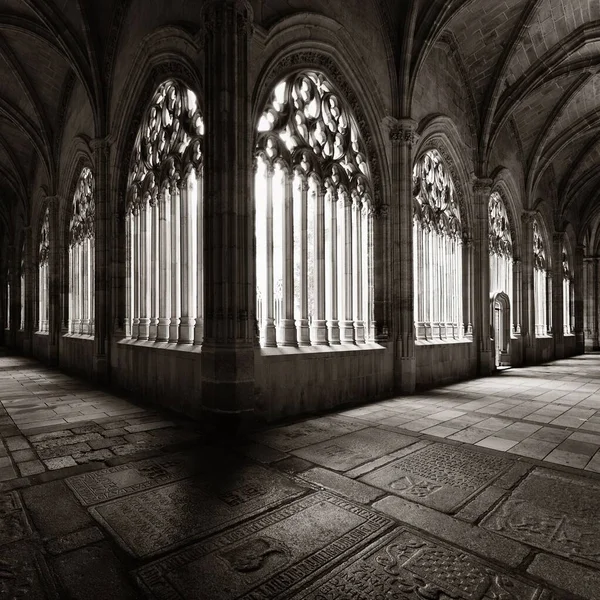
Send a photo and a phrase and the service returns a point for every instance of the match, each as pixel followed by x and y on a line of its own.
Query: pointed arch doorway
pixel 501 329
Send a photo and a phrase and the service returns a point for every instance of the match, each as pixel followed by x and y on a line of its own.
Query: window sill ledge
pixel 449 342
pixel 547 336
pixel 79 336
pixel 161 346
pixel 45 333
pixel 320 351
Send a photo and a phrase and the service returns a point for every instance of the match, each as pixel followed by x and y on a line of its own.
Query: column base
pixel 318 333
pixel 186 330
pixel 269 335
pixel 334 332
pixel 287 333
pixel 144 329
pixel 162 330
pixel 174 330
pixel 153 329
pixel 347 332
pixel 303 332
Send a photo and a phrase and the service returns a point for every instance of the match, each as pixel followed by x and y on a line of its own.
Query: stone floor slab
pixel 348 451
pixel 270 557
pixel 161 519
pixel 554 511
pixel 439 476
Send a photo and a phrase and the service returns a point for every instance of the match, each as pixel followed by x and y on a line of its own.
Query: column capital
pixel 214 12
pixel 527 216
pixel 482 185
pixel 558 237
pixel 404 131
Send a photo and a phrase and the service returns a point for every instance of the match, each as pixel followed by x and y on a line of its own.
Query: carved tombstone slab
pixel 163 518
pixel 303 434
pixel 13 523
pixel 24 573
pixel 270 557
pixel 114 482
pixel 440 476
pixel 353 449
pixel 409 566
pixel 554 511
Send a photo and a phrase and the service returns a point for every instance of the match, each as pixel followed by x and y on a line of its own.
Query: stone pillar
pixel 102 298
pixel 481 280
pixel 229 287
pixel 53 300
pixel 402 314
pixel 590 319
pixel 527 299
pixel 578 284
pixel 14 299
pixel 557 295
pixel 30 273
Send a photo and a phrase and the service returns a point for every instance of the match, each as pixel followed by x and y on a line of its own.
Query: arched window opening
pixel 540 283
pixel 8 296
pixel 313 197
pixel 81 257
pixel 500 250
pixel 438 251
pixel 568 294
pixel 22 274
pixel 43 268
pixel 164 220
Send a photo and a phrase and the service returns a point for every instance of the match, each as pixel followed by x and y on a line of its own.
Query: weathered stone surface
pixel 63 450
pixel 440 476
pixel 92 488
pixel 566 576
pixel 477 540
pixel 93 573
pixel 161 519
pixel 306 433
pixel 481 504
pixel 350 450
pixel 54 510
pixel 72 541
pixel 270 556
pixel 349 488
pixel 24 573
pixel 554 511
pixel 13 523
pixel 59 463
pixel 262 454
pixel 409 566
pixel 64 441
pixel 31 467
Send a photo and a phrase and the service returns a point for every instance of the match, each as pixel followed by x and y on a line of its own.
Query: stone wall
pixel 443 363
pixel 76 355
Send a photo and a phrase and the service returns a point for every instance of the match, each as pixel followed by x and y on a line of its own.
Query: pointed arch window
pixel 438 251
pixel 164 220
pixel 81 256
pixel 22 289
pixel 500 248
pixel 43 272
pixel 313 196
pixel 8 297
pixel 540 282
pixel 568 295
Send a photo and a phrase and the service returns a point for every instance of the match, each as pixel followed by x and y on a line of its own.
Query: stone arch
pixel 504 185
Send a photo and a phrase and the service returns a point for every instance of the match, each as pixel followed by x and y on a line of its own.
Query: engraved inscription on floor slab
pixel 409 566
pixel 554 511
pixel 353 449
pixel 24 573
pixel 13 523
pixel 98 486
pixel 163 518
pixel 271 556
pixel 439 476
pixel 303 434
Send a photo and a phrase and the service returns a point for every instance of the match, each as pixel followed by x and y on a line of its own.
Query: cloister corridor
pixel 487 488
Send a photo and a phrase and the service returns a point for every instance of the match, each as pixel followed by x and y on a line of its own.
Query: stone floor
pixel 483 490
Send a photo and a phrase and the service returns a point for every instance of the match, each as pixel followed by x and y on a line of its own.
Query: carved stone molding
pixel 404 131
pixel 216 12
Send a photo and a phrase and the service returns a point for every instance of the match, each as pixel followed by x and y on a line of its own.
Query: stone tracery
pixel 43 269
pixel 540 281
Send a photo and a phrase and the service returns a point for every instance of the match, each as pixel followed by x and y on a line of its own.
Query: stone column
pixel 557 295
pixel 53 299
pixel 102 297
pixel 590 301
pixel 527 299
pixel 402 313
pixel 578 284
pixel 29 300
pixel 481 281
pixel 229 282
pixel 14 298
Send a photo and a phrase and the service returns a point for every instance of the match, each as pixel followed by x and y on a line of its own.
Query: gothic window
pixel 22 274
pixel 568 296
pixel 313 218
pixel 500 248
pixel 438 251
pixel 43 266
pixel 81 256
pixel 540 283
pixel 8 280
pixel 164 220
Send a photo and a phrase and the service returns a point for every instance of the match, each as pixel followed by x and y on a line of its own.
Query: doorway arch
pixel 500 320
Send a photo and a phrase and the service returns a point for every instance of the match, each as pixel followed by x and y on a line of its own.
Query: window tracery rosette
pixel 539 250
pixel 308 126
pixel 435 206
pixel 81 226
pixel 44 248
pixel 500 242
pixel 168 146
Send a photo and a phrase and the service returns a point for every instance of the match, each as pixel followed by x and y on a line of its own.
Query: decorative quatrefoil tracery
pixel 308 127
pixel 539 250
pixel 500 237
pixel 81 226
pixel 44 252
pixel 435 205
pixel 168 144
